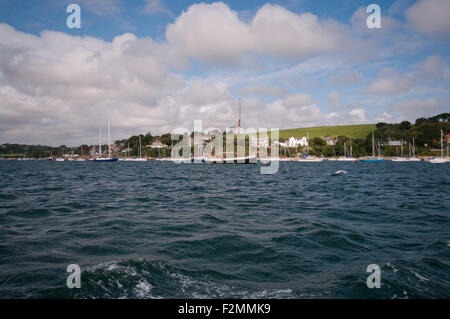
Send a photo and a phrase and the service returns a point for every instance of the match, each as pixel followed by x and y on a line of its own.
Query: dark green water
pixel 162 230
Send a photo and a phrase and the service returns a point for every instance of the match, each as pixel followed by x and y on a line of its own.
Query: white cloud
pixel 354 116
pixel 274 31
pixel 430 17
pixel 156 7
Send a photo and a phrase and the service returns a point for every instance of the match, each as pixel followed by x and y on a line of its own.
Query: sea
pixel 165 230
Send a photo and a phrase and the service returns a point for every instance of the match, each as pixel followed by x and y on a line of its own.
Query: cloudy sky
pixel 154 65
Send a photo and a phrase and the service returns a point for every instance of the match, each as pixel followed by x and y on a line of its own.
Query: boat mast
pixel 401 141
pixel 442 143
pixel 140 147
pixel 351 150
pixel 239 121
pixel 345 150
pixel 109 141
pixel 100 144
pixel 373 144
pixel 307 142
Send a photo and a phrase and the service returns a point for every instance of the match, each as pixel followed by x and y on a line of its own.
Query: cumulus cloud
pixel 274 31
pixel 354 116
pixel 430 17
pixel 56 88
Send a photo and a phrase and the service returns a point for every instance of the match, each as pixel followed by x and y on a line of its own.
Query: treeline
pixel 425 132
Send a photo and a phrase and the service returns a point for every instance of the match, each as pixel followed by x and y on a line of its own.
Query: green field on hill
pixel 352 131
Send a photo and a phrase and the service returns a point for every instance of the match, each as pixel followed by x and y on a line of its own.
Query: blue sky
pixel 154 65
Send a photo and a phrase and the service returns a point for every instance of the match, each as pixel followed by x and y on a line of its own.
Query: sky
pixel 155 65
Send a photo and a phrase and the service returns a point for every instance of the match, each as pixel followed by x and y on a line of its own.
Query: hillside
pixel 352 131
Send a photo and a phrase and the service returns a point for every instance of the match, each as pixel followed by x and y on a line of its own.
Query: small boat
pixel 59 159
pixel 309 159
pixel 105 159
pixel 437 160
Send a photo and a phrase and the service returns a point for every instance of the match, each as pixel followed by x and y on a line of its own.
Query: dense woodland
pixel 425 131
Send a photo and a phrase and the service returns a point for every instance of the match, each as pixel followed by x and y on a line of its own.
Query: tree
pixel 317 141
pixel 405 125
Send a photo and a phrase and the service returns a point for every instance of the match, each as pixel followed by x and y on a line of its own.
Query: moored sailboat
pixel 441 159
pixel 373 158
pixel 109 158
pixel 137 159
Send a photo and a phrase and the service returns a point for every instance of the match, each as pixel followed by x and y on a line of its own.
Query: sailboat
pixel 80 157
pixel 250 159
pixel 137 159
pixel 442 159
pixel 412 156
pixel 60 159
pixel 109 158
pixel 347 158
pixel 373 158
pixel 400 158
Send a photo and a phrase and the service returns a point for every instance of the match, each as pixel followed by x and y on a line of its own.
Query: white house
pixel 329 140
pixel 157 144
pixel 297 141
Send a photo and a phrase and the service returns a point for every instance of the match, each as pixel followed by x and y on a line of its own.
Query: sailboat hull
pixel 373 160
pixel 110 159
pixel 234 160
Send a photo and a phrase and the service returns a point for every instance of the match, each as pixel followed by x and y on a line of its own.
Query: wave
pixel 146 278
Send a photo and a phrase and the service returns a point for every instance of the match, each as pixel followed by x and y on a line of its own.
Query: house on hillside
pixel 157 144
pixel 329 140
pixel 297 141
pixel 391 142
